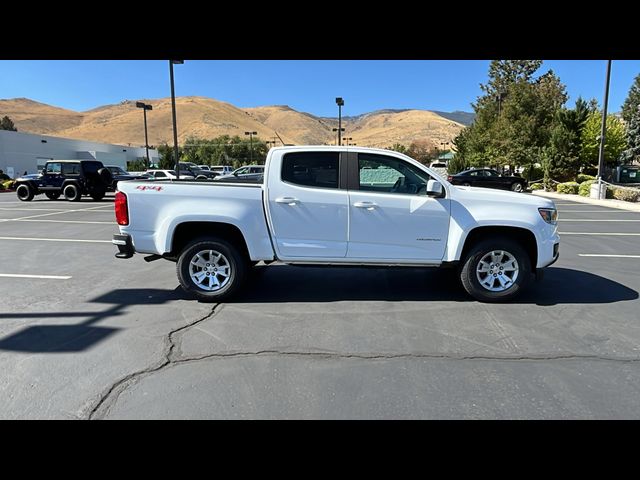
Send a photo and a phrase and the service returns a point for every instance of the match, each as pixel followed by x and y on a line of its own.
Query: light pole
pixel 173 112
pixel 251 134
pixel 347 139
pixel 145 107
pixel 340 103
pixel 603 132
pixel 443 145
pixel 339 133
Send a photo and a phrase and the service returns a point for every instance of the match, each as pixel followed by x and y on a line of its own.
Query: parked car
pixel 168 175
pixel 248 173
pixel 191 169
pixel 319 205
pixel 120 174
pixel 204 167
pixel 71 178
pixel 488 178
pixel 222 169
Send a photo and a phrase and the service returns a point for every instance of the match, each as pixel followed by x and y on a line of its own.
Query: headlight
pixel 549 215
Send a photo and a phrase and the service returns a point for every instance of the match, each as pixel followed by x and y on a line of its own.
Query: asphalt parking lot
pixel 85 335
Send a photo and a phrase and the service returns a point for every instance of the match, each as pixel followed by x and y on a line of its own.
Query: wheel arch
pixel 186 232
pixel 526 238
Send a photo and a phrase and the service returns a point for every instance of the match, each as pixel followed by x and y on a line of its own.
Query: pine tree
pixel 632 153
pixel 7 124
pixel 632 101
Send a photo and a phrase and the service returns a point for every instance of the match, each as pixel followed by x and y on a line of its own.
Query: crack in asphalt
pixel 110 396
pixel 391 356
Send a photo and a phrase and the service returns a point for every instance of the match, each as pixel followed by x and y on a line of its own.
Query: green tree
pixel 398 147
pixel 632 102
pixel 615 141
pixel 7 124
pixel 632 153
pixel 563 151
pixel 167 160
pixel 514 117
pixel 423 151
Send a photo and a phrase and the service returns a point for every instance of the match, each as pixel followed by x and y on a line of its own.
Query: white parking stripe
pixel 607 255
pixel 599 233
pixel 48 277
pixel 60 239
pixel 62 221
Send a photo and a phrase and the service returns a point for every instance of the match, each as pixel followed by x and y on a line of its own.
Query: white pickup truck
pixel 321 205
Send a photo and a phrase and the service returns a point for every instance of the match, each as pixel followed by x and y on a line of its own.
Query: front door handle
pixel 367 205
pixel 287 200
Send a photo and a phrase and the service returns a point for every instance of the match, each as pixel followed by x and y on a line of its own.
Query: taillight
pixel 449 178
pixel 122 211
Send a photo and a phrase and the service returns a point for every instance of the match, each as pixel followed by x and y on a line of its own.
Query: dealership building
pixel 20 152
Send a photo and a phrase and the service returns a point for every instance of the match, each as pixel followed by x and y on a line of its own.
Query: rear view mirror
pixel 434 189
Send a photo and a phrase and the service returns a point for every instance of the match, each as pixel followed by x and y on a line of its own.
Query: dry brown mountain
pixel 207 118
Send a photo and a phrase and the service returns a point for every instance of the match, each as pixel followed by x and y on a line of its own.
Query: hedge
pixel 536 186
pixel 567 187
pixel 585 188
pixel 626 194
pixel 585 178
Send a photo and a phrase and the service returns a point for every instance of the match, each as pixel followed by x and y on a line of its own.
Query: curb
pixel 611 203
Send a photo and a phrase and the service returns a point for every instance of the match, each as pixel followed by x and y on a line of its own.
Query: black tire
pixel 202 177
pixel 97 194
pixel 466 184
pixel 25 192
pixel 52 195
pixel 517 187
pixel 105 176
pixel 72 192
pixel 469 275
pixel 232 257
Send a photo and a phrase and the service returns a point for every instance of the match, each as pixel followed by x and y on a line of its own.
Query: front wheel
pixel 25 193
pixel 211 269
pixel 517 187
pixel 72 193
pixel 496 270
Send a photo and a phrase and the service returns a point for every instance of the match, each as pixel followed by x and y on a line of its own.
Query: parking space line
pixel 47 277
pixel 62 221
pixel 50 214
pixel 34 209
pixel 600 233
pixel 59 239
pixel 607 255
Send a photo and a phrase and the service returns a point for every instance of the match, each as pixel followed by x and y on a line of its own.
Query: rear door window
pixel 311 169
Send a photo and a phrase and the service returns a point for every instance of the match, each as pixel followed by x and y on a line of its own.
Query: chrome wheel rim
pixel 209 270
pixel 517 187
pixel 497 271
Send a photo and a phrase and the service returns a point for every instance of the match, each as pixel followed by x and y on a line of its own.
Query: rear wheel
pixel 25 192
pixel 517 187
pixel 211 269
pixel 466 184
pixel 496 270
pixel 52 195
pixel 72 193
pixel 97 194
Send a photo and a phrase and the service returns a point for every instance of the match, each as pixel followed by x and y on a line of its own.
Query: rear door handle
pixel 287 200
pixel 367 205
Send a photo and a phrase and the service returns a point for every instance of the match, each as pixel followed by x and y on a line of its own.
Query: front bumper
pixel 556 255
pixel 125 246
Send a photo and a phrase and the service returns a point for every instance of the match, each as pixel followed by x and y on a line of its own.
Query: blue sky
pixel 309 85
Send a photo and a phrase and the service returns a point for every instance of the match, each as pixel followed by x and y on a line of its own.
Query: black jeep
pixel 71 178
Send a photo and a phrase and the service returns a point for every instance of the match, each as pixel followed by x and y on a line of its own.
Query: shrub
pixel 536 186
pixel 536 172
pixel 567 187
pixel 585 178
pixel 585 188
pixel 626 194
pixel 1 186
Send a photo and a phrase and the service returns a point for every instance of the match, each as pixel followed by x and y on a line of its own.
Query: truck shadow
pixel 285 283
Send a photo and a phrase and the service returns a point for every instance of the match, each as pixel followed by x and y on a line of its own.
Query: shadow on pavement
pixel 81 336
pixel 284 283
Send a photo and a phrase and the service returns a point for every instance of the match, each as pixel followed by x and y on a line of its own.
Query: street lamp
pixel 341 130
pixel 145 107
pixel 603 133
pixel 340 103
pixel 347 139
pixel 251 134
pixel 173 112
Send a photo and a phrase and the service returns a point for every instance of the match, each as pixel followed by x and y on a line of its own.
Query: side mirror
pixel 435 189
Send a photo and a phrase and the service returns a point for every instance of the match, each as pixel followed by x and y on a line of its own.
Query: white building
pixel 20 152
